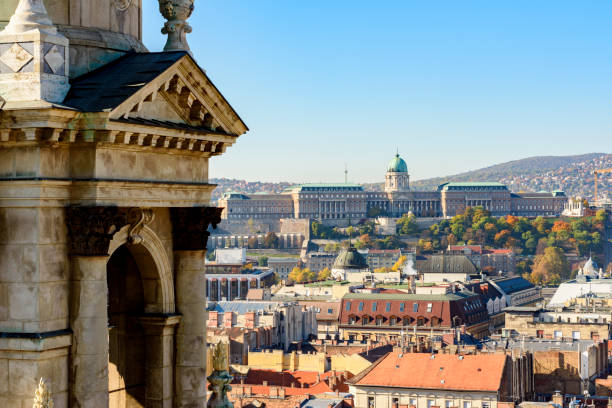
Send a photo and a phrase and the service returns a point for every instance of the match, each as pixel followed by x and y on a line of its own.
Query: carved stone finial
pixel 30 15
pixel 220 379
pixel 34 57
pixel 176 12
pixel 42 397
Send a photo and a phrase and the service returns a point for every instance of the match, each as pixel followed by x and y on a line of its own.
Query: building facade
pixel 384 316
pixel 341 203
pixel 104 195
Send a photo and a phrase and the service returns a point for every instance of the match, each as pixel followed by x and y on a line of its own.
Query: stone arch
pixel 152 260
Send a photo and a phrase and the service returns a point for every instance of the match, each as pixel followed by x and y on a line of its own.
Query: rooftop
pixel 409 296
pixel 481 372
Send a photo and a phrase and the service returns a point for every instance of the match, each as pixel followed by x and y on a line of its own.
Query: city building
pixel 569 322
pixel 580 287
pixel 382 258
pixel 391 316
pixel 230 282
pixel 342 203
pixel 104 196
pixel 328 316
pixel 423 380
pixel 282 266
pixel 495 260
pixel 563 365
pixel 446 268
pixel 288 322
pixel 349 265
pixel 317 261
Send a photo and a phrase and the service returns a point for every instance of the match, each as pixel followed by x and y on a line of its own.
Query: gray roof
pixel 108 86
pixel 448 264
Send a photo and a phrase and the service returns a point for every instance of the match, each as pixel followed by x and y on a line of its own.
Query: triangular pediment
pixel 156 88
pixel 183 94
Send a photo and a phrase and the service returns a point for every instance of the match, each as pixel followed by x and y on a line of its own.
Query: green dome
pixel 397 165
pixel 350 259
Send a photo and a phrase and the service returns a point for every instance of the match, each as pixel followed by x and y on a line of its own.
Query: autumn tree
pixel 399 264
pixel 407 225
pixel 270 240
pixel 324 274
pixel 550 268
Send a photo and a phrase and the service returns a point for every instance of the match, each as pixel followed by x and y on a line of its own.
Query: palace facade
pixel 343 202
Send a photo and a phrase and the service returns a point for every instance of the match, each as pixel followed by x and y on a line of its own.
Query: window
pixel 379 321
pixel 467 404
pixel 392 321
pixel 429 307
pixel 371 402
pixel 430 403
pixel 576 335
pixel 330 311
pixel 448 404
pixel 485 404
pixel 360 306
pixel 415 307
pixel 395 401
pixel 413 402
pixel 388 306
pixel 348 306
pixel 401 307
pixel 351 320
pixel 558 334
pixel 374 305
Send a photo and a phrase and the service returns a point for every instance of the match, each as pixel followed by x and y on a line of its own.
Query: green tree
pixel 262 261
pixel 407 225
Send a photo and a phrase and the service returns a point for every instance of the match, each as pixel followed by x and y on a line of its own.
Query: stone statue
pixel 219 379
pixel 176 12
pixel 42 398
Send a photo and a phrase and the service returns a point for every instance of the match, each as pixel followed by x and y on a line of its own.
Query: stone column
pixel 159 351
pixel 90 230
pixel 189 236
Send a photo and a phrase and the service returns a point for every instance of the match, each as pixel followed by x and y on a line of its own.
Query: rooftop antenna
pixel 345 174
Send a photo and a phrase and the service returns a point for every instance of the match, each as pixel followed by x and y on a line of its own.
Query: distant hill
pixel 572 174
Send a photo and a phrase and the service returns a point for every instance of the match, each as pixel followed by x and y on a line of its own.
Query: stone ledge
pixel 14 341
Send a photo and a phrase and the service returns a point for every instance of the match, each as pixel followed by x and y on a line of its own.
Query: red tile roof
pixel 473 248
pixel 481 372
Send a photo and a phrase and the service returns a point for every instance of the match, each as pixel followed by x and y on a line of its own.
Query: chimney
pixel 281 393
pixel 557 398
pixel 348 401
pixel 265 383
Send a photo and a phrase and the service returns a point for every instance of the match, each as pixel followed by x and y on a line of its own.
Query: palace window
pixel 429 307
pixel 401 307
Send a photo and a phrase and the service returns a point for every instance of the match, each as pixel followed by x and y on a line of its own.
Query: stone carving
pixel 42 398
pixel 219 379
pixel 122 5
pixel 138 218
pixel 91 229
pixel 190 225
pixel 16 57
pixel 55 59
pixel 176 12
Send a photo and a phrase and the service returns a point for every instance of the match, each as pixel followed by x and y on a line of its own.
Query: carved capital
pixel 91 229
pixel 190 225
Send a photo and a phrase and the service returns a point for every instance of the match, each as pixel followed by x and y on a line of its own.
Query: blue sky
pixel 455 85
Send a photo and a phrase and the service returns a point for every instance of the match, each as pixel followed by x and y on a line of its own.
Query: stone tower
pixel 397 178
pixel 104 205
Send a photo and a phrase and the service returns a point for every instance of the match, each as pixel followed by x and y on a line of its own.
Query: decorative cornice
pixel 190 226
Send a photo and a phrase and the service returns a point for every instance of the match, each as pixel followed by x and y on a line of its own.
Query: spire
pixel 33 57
pixel 30 15
pixel 176 12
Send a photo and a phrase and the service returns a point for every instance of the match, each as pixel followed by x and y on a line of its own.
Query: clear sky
pixel 455 85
